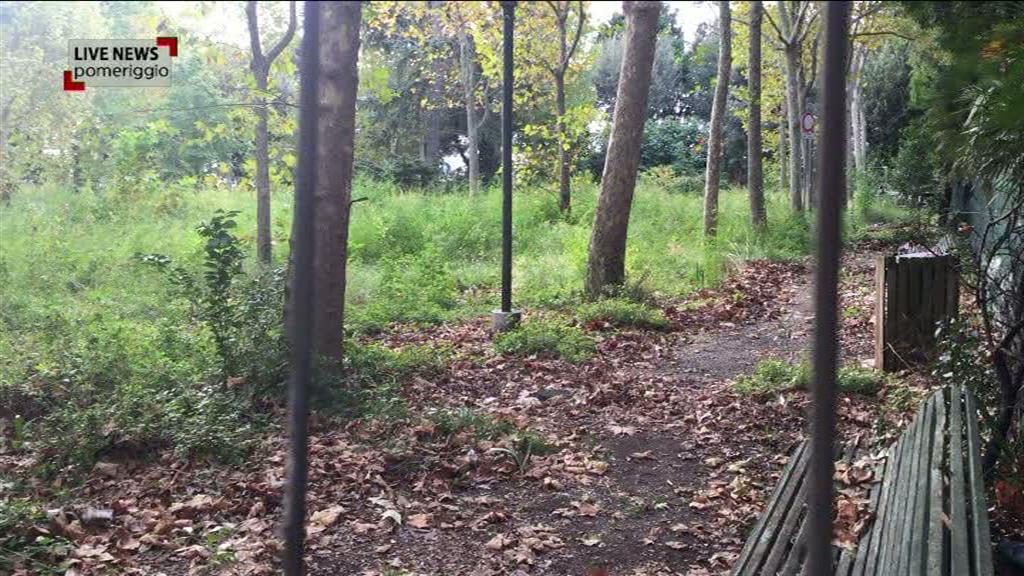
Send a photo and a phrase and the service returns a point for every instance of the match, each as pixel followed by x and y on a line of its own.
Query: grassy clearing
pixel 99 349
pixel 621 313
pixel 549 335
pixel 772 376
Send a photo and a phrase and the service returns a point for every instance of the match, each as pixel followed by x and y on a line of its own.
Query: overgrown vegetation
pixel 773 375
pixel 621 312
pixel 546 335
pixel 128 326
pixel 22 543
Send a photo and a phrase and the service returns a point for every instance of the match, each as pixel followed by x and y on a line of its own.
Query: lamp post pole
pixel 506 317
pixel 831 178
pixel 302 298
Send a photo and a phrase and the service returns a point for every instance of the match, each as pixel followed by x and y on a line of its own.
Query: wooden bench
pixel 929 510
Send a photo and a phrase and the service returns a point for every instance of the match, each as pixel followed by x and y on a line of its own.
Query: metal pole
pixel 832 187
pixel 302 297
pixel 508 12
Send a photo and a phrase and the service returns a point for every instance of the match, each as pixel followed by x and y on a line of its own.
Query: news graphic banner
pixel 120 63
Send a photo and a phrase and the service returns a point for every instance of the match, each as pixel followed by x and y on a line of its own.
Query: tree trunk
pixel 472 123
pixel 263 241
pixel 796 198
pixel 260 66
pixel 430 151
pixel 563 147
pixel 607 258
pixel 718 112
pixel 858 129
pixel 339 78
pixel 783 151
pixel 755 174
pixel 793 103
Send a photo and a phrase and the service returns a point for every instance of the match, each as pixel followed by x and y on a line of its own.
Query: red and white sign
pixel 807 123
pixel 119 62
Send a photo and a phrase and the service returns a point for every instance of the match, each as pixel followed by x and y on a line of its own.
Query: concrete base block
pixel 502 321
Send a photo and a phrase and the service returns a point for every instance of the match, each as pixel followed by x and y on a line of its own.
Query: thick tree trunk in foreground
pixel 607 259
pixel 339 78
pixel 718 112
pixel 755 174
pixel 260 66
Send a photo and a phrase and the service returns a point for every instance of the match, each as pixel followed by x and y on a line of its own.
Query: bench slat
pixel 867 561
pixel 856 568
pixel 797 554
pixel 936 498
pixel 918 544
pixel 982 540
pixel 790 528
pixel 893 535
pixel 959 554
pixel 931 517
pixel 764 533
pixel 903 539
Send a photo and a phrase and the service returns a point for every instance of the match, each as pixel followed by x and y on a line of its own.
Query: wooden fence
pixel 914 292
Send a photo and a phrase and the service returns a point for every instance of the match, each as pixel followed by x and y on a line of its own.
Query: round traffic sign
pixel 807 122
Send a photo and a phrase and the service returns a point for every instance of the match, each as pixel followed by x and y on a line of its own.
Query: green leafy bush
pixel 546 335
pixel 211 293
pixel 105 383
pixel 622 312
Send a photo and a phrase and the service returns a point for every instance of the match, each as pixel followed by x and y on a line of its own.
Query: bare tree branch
pixel 286 39
pixel 883 33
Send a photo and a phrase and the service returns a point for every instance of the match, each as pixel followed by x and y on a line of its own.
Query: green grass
pixel 621 312
pixel 774 375
pixel 552 336
pixel 482 426
pixel 98 350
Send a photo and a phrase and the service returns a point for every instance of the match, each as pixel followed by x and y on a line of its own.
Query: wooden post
pixel 914 292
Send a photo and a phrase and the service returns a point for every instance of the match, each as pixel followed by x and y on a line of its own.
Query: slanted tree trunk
pixel 718 112
pixel 607 258
pixel 755 174
pixel 339 78
pixel 260 66
pixel 430 150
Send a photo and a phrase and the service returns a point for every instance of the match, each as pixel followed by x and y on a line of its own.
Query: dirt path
pixel 685 461
pixel 656 465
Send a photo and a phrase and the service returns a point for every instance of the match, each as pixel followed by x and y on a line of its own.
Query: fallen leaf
pixel 420 520
pixel 498 542
pixel 324 519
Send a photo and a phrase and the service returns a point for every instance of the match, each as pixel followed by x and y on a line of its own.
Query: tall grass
pixel 100 344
